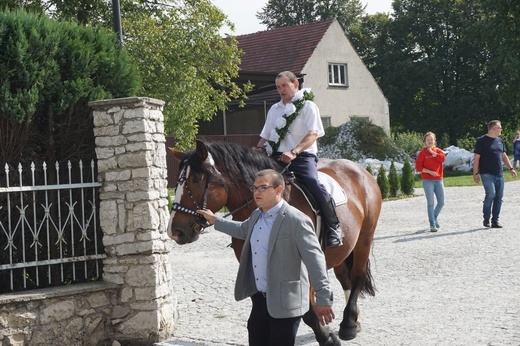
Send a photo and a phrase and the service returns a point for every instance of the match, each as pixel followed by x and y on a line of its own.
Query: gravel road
pixel 460 286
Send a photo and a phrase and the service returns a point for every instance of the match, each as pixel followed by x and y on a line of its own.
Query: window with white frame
pixel 338 74
pixel 325 121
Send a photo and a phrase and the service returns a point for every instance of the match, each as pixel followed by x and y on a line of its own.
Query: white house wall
pixel 362 97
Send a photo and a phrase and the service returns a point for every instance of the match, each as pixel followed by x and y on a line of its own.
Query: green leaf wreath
pixel 280 132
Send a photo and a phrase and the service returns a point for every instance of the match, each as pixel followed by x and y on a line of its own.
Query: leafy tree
pixel 501 32
pixel 50 70
pixel 407 178
pixel 28 5
pixel 179 53
pixel 393 180
pixel 440 78
pixel 371 38
pixel 189 66
pixel 281 13
pixel 411 142
pixel 382 181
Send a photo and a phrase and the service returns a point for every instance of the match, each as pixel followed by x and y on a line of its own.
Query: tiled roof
pixel 280 49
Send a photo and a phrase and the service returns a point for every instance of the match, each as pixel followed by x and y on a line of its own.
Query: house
pixel 323 58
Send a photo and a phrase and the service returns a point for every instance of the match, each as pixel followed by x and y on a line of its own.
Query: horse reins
pixel 246 204
pixel 239 208
pixel 186 210
pixel 178 207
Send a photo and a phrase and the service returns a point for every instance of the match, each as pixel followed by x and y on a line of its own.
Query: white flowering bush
pixel 358 140
pixel 367 144
pixel 339 143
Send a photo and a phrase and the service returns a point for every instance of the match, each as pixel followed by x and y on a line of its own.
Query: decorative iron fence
pixel 49 234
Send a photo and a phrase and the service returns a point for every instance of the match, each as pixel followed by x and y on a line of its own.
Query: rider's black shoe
pixel 334 237
pixel 334 233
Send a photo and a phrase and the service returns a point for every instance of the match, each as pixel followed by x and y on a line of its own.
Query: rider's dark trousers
pixel 305 167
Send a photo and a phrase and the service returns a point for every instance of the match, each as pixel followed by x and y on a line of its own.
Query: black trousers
pixel 305 167
pixel 265 330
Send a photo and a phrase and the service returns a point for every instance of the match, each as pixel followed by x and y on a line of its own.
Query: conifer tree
pixel 393 180
pixel 382 181
pixel 369 169
pixel 407 178
pixel 281 13
pixel 49 71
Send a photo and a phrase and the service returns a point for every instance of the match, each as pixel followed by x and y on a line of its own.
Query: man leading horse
pixel 289 135
pixel 278 239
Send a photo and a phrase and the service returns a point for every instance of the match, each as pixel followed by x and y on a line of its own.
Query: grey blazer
pixel 294 256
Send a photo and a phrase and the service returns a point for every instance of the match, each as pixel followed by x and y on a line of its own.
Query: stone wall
pixel 134 304
pixel 69 315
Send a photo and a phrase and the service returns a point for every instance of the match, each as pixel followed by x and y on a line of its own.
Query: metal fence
pixel 49 227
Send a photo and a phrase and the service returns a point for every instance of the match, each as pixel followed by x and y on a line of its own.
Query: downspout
pixel 116 13
pixel 224 121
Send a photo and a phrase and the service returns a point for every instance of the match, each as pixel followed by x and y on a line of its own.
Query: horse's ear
pixel 178 154
pixel 202 150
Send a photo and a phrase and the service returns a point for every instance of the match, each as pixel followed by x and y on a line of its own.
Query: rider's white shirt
pixel 307 120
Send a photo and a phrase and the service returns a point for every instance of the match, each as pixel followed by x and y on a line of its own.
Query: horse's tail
pixel 368 287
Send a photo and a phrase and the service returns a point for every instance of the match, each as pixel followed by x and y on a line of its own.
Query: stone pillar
pixel 130 148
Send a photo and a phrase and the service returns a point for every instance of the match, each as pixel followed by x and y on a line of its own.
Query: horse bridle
pixel 179 207
pixel 202 221
pixel 204 224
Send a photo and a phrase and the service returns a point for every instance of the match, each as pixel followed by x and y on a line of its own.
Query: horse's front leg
pixel 323 334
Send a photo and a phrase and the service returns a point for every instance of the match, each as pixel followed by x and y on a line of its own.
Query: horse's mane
pixel 238 164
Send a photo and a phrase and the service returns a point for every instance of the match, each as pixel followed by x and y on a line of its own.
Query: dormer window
pixel 338 75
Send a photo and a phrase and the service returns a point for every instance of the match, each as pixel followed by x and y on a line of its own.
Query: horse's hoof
pixel 331 341
pixel 349 333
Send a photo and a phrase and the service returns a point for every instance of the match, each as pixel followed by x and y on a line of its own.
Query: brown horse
pixel 219 174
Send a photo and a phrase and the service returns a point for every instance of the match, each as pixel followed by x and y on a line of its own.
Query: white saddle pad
pixel 333 188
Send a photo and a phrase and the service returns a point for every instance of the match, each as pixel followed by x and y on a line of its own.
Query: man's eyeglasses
pixel 261 188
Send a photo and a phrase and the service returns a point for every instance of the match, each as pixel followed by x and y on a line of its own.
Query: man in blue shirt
pixel 490 152
pixel 280 258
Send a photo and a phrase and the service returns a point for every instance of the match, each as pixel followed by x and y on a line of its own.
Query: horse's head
pixel 199 186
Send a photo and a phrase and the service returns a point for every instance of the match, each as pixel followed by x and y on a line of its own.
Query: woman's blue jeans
pixel 433 189
pixel 494 187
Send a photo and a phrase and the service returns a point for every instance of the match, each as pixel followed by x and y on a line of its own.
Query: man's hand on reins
pixel 259 149
pixel 287 157
pixel 208 215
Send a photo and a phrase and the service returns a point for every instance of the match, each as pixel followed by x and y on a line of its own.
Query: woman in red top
pixel 429 164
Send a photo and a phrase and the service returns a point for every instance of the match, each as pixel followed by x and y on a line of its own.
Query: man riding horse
pixel 289 135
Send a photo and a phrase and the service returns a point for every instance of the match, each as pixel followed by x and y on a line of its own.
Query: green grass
pixel 461 179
